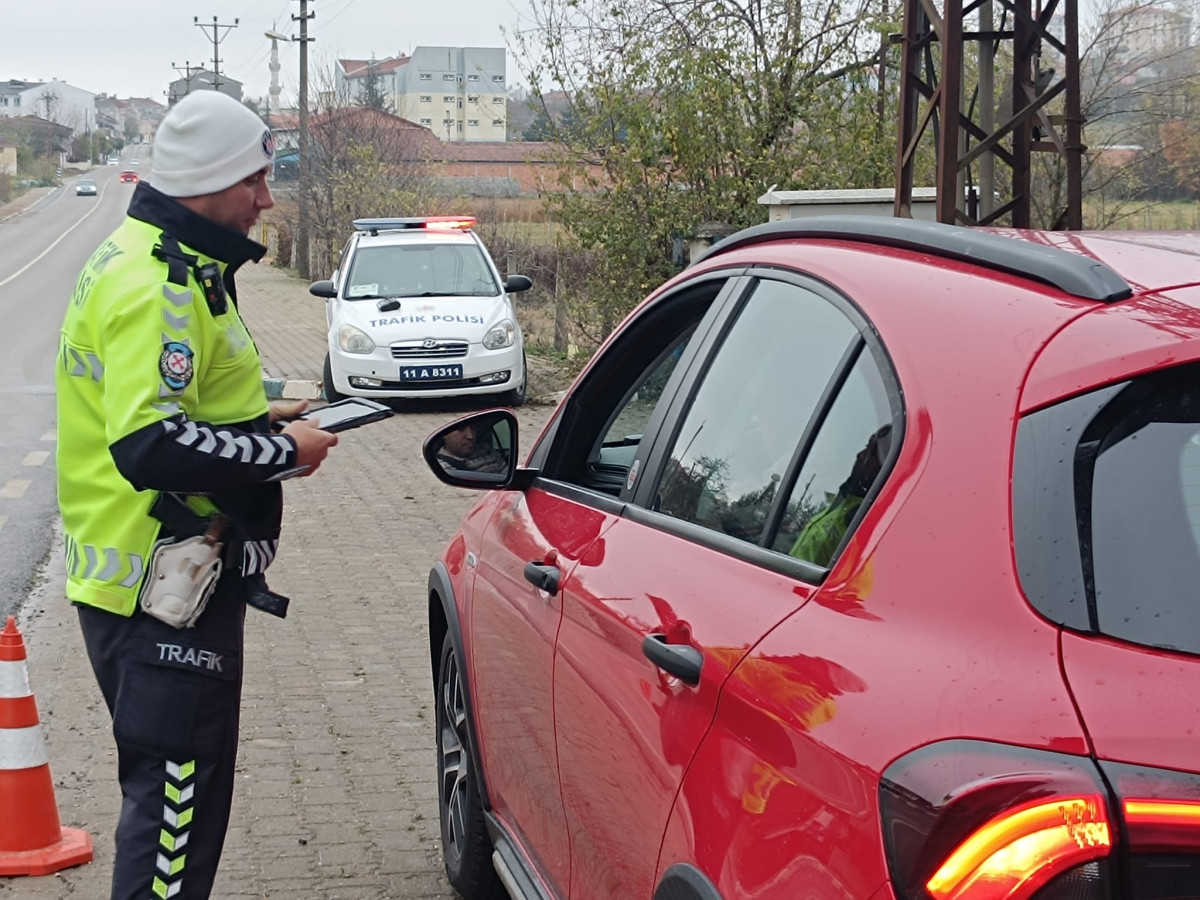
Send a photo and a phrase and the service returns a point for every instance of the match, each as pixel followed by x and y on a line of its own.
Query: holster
pixel 180 579
pixel 185 566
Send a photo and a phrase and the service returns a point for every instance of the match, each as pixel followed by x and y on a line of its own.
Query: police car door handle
pixel 681 660
pixel 543 577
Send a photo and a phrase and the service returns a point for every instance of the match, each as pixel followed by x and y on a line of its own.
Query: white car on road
pixel 416 309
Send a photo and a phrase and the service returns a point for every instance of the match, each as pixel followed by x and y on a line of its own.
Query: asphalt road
pixel 42 251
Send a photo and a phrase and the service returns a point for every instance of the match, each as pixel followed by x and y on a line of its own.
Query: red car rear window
pixel 1106 510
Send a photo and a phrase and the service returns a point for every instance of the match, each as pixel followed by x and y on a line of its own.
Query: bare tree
pixel 50 105
pixel 681 112
pixel 1138 75
pixel 366 162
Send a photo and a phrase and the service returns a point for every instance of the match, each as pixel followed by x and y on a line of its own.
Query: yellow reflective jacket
pixel 158 391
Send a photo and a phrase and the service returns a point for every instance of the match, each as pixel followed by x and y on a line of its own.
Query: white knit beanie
pixel 207 142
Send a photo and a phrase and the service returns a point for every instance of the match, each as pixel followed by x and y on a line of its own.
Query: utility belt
pixel 186 566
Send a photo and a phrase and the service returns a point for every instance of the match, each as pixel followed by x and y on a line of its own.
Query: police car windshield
pixel 420 270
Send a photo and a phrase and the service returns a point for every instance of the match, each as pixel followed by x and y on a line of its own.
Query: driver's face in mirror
pixel 460 443
pixel 471 448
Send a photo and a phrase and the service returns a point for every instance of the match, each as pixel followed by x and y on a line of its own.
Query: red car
pixel 861 563
pixel 128 176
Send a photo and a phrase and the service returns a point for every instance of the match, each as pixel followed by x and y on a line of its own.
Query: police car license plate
pixel 430 373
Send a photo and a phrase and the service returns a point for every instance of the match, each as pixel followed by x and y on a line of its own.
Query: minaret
pixel 273 103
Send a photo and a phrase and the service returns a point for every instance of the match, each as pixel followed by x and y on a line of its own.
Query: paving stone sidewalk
pixel 336 797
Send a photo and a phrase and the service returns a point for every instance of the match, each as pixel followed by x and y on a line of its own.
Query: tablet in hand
pixel 349 413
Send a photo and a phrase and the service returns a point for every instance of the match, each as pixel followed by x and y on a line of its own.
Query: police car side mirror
pixel 322 289
pixel 517 283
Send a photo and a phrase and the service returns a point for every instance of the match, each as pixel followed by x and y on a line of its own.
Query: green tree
pixel 540 129
pixel 81 147
pixel 686 112
pixel 372 94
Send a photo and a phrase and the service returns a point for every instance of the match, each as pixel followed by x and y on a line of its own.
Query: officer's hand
pixel 312 443
pixel 286 409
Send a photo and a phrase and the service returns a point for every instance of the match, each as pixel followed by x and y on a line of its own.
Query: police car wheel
pixel 466 847
pixel 332 394
pixel 516 396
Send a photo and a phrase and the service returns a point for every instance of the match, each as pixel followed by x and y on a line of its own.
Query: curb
pixel 292 389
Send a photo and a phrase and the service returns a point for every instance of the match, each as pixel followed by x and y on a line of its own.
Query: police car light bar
pixel 429 223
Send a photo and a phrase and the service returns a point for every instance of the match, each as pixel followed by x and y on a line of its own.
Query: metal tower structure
pixel 984 138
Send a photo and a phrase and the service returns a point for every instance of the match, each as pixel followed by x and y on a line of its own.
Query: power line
pixel 336 15
pixel 216 42
pixel 187 72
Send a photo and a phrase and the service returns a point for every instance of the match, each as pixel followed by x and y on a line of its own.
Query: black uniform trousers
pixel 174 696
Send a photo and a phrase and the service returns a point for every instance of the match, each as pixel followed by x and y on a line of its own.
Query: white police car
pixel 417 308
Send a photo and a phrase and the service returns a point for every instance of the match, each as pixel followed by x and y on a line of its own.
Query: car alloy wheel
pixel 466 847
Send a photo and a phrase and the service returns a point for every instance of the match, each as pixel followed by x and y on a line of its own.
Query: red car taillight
pixel 1161 813
pixel 1022 849
pixel 968 820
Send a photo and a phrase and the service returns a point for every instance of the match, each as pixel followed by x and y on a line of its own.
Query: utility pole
pixel 186 72
pixel 302 231
pixel 216 42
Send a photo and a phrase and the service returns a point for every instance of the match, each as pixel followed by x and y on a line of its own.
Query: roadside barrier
pixel 31 840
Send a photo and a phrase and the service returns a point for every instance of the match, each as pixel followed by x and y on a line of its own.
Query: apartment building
pixel 459 93
pixel 1144 34
pixel 54 100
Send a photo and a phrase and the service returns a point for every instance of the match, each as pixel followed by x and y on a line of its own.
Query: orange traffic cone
pixel 31 840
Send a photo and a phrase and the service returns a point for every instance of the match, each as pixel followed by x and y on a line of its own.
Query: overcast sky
pixel 127 47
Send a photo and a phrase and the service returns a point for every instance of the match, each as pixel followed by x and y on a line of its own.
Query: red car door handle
pixel 681 660
pixel 543 576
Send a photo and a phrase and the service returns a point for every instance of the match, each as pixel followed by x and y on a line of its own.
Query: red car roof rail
pixel 1069 272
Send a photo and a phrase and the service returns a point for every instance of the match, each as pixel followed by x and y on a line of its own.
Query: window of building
pixel 498 100
pixel 472 121
pixel 472 78
pixel 427 121
pixel 499 123
pixel 460 104
pixel 425 98
pixel 447 78
pixel 448 98
pixel 460 126
pixel 447 121
pixel 498 78
pixel 472 98
pixel 425 76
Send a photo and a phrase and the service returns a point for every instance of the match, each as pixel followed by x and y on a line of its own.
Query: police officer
pixel 164 430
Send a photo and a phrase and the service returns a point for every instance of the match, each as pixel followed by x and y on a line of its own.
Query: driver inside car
pixel 464 449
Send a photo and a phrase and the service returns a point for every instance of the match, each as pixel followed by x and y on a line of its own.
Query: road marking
pixel 15 488
pixel 51 435
pixel 29 264
pixel 35 457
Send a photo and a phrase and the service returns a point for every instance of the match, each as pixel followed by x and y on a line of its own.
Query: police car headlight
pixel 355 340
pixel 501 336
